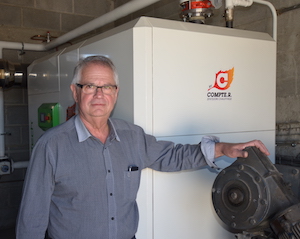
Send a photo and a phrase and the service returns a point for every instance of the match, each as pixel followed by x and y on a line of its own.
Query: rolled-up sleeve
pixel 208 148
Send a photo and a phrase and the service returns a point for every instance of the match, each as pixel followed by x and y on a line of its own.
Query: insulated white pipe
pixel 20 164
pixel 20 46
pixel 111 16
pixel 243 3
pixel 2 145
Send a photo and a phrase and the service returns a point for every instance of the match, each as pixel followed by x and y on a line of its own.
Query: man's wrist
pixel 219 149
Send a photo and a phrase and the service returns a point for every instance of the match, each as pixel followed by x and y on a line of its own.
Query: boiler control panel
pixel 48 115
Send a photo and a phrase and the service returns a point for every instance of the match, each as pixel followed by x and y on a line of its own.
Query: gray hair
pixel 98 59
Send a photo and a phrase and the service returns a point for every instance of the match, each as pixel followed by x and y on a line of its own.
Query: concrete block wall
pixel 288 80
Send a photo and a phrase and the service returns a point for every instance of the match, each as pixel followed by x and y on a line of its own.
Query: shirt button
pixel 110 194
pixel 108 171
pixel 112 218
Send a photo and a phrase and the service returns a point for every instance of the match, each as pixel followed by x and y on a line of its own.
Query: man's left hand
pixel 237 150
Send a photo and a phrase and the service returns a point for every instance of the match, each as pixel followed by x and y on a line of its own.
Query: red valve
pixel 197 4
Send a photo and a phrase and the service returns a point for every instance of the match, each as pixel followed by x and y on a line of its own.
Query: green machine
pixel 48 115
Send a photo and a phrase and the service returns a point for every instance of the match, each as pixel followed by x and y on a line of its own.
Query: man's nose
pixel 99 92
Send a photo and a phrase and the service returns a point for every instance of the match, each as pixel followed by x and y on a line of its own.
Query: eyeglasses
pixel 92 89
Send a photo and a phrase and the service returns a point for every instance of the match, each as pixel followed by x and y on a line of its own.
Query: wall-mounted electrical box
pixel 48 115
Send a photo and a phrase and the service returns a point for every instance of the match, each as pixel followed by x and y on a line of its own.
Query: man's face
pixel 97 104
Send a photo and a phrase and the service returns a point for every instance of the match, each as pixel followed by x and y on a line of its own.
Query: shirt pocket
pixel 131 184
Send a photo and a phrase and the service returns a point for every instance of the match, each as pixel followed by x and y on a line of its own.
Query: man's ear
pixel 74 92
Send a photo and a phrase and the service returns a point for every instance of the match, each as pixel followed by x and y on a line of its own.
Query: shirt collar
pixel 113 132
pixel 84 134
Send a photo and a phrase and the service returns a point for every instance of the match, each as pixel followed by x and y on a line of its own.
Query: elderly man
pixel 84 174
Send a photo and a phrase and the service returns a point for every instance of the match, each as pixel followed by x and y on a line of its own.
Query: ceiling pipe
pixel 20 46
pixel 109 17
